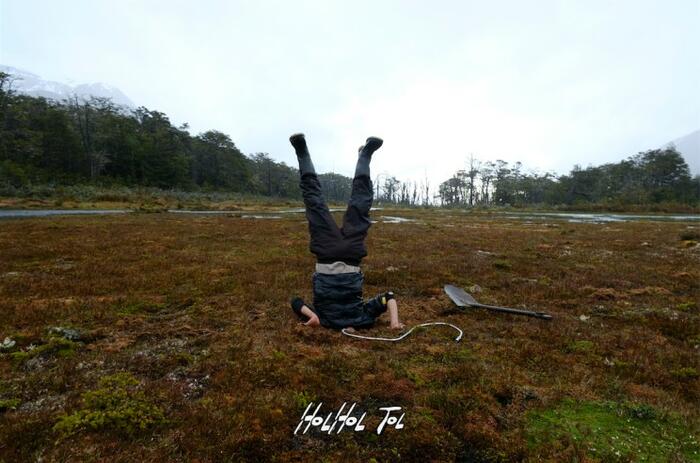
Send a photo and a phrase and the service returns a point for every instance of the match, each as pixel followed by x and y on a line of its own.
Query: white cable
pixel 372 338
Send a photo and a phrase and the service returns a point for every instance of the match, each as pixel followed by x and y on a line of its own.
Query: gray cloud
pixel 550 85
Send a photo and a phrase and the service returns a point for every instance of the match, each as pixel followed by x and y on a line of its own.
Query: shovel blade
pixel 463 299
pixel 460 297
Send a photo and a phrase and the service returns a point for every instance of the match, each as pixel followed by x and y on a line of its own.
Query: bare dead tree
pixel 487 173
pixel 472 173
pixel 391 185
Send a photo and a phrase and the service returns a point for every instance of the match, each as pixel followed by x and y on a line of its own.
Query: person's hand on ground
pixel 313 321
pixel 397 326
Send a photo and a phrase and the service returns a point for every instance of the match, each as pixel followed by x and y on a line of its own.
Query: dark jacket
pixel 338 301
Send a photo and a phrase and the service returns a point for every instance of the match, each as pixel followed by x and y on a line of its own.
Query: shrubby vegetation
pixel 76 142
pixel 117 405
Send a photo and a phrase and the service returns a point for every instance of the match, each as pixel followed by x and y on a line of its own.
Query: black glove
pixel 386 297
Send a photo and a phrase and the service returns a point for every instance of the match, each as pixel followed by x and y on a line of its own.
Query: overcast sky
pixel 548 83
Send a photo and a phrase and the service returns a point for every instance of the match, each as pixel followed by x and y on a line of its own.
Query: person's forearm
pixel 308 312
pixel 393 312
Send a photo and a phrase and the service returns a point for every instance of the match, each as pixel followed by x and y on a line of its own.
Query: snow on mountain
pixel 31 84
pixel 689 147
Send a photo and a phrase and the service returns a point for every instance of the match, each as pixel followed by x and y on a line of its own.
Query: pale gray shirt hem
pixel 336 267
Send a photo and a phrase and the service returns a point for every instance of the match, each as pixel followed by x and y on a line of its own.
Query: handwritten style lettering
pixel 346 418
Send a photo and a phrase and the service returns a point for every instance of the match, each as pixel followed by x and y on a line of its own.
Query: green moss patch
pixel 613 432
pixel 686 373
pixel 502 264
pixel 116 405
pixel 8 404
pixel 303 399
pixel 580 347
pixel 139 307
pixel 56 347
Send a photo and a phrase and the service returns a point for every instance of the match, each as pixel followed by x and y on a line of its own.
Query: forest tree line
pixel 76 141
pixel 95 142
pixel 652 177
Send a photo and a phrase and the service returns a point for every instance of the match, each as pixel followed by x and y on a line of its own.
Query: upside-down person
pixel 338 279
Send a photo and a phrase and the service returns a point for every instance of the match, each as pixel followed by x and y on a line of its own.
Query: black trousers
pixel 329 243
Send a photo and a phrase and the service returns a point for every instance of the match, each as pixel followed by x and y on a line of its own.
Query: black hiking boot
pixel 306 166
pixel 365 156
pixel 372 144
pixel 299 143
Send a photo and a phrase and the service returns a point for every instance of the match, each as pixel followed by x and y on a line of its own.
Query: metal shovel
pixel 464 299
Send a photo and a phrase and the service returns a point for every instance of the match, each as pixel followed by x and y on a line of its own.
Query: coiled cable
pixel 375 338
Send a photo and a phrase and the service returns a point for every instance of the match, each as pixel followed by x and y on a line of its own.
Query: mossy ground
pixel 117 405
pixel 195 309
pixel 612 431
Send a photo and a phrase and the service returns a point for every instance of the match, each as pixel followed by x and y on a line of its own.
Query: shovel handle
pixel 529 313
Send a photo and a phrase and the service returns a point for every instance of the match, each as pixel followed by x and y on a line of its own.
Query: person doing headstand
pixel 338 279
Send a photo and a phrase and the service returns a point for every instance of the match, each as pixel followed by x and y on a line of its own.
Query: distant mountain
pixel 689 147
pixel 31 84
